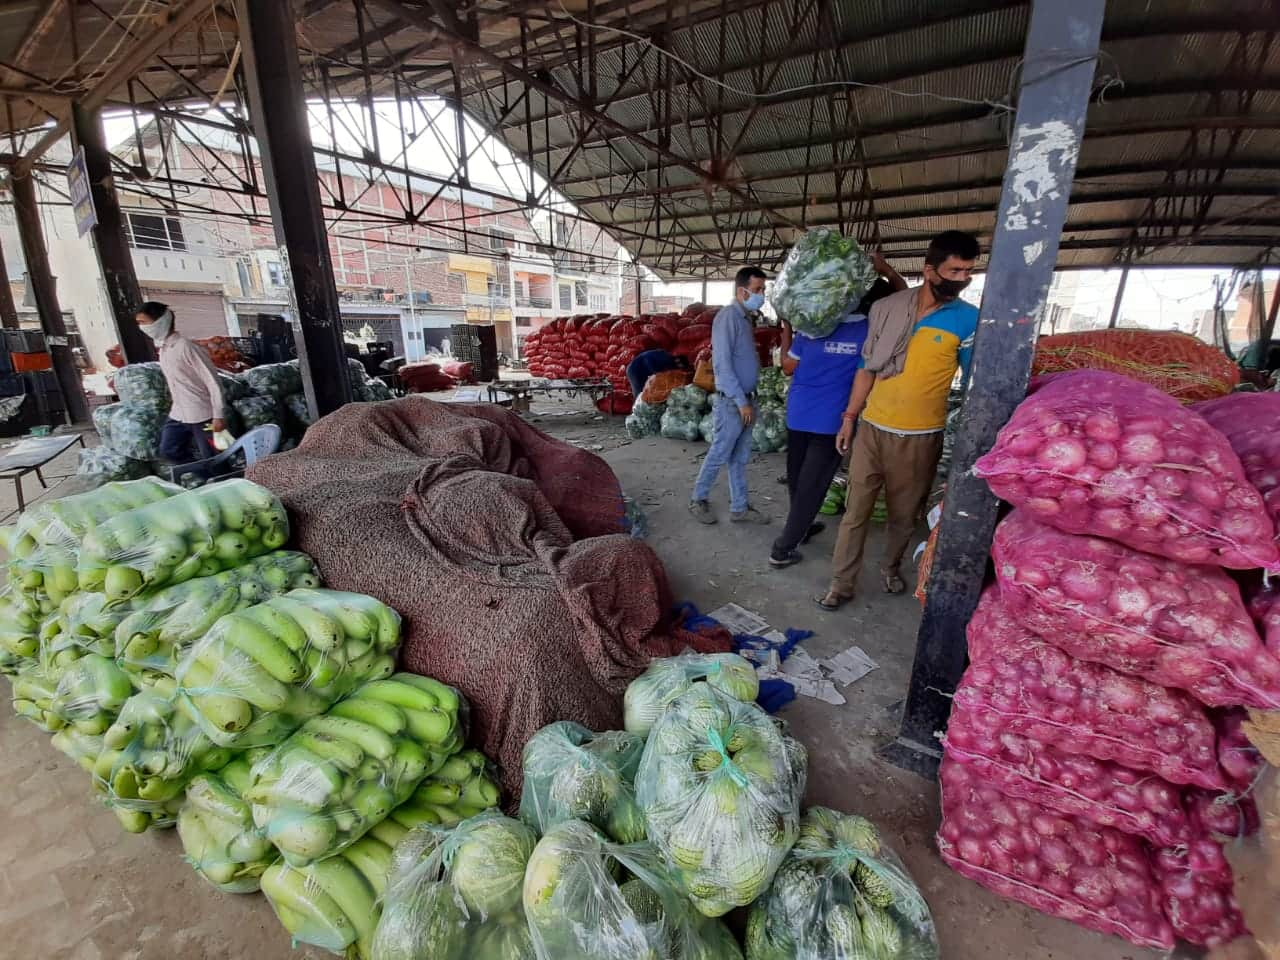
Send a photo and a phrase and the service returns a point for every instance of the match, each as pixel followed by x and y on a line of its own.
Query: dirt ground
pixel 73 885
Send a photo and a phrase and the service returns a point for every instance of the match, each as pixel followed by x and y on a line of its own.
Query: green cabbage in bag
pixel 579 909
pixel 720 787
pixel 824 275
pixel 144 385
pixel 645 419
pixel 666 680
pixel 769 430
pixel 457 893
pixel 571 773
pixel 841 894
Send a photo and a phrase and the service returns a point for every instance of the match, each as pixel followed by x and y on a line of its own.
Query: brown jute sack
pixel 500 548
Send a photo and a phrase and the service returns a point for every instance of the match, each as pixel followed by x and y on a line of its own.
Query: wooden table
pixel 520 392
pixel 29 456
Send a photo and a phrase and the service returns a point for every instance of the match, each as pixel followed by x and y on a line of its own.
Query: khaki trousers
pixel 904 467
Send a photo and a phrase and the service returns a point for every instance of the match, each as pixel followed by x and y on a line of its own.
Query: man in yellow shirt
pixel 916 341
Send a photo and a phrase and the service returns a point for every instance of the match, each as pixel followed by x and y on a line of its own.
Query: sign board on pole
pixel 81 195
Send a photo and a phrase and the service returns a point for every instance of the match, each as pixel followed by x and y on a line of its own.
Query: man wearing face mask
pixel 737 368
pixel 196 411
pixel 916 340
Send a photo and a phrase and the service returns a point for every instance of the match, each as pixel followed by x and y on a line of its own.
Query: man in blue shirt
pixel 737 368
pixel 822 371
pixel 646 364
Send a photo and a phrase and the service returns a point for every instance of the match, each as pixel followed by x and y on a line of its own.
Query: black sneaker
pixel 813 531
pixel 702 511
pixel 785 559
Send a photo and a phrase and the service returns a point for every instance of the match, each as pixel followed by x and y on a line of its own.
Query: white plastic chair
pixel 258 443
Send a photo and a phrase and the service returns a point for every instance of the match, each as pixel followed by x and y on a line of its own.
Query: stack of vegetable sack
pixel 1090 770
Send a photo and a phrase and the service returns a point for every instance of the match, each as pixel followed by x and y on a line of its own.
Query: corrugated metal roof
pixel 1182 144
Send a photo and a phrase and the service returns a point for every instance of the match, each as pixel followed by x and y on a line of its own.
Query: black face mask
pixel 944 291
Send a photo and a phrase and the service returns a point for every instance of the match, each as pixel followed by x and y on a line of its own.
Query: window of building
pixel 275 273
pixel 599 302
pixel 500 240
pixel 154 232
pixel 498 290
pixel 566 297
pixel 579 293
pixel 524 322
pixel 457 283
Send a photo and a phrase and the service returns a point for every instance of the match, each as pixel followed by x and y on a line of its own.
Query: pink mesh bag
pixel 1251 424
pixel 1263 601
pixel 1098 453
pixel 1196 892
pixel 1028 687
pixel 1173 624
pixel 1063 866
pixel 1097 791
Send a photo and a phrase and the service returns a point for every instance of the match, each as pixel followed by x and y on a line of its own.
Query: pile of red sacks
pixel 425 378
pixel 600 346
pixel 1094 762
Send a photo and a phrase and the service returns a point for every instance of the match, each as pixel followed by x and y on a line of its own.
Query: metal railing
pixel 487 299
pixel 536 303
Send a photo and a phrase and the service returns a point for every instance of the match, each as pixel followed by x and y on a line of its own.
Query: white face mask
pixel 161 328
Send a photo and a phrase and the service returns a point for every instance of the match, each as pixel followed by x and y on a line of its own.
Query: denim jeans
pixel 732 446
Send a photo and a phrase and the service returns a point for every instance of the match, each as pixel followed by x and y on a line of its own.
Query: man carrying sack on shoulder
pixel 916 340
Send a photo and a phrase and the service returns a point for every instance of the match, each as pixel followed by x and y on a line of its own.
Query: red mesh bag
pixel 459 370
pixel 1173 624
pixel 1102 454
pixel 659 386
pixel 1177 364
pixel 1100 792
pixel 1249 422
pixel 1196 892
pixel 1066 867
pixel 695 332
pixel 1023 685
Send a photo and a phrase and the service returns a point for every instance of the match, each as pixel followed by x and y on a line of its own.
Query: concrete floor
pixel 73 885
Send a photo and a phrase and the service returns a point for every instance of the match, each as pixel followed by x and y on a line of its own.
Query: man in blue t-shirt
pixel 822 371
pixel 646 364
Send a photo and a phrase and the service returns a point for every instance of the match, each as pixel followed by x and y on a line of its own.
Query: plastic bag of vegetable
pixel 1098 453
pixel 645 419
pixel 579 909
pixel 153 632
pixel 275 380
pixel 234 387
pixel 463 787
pixel 90 693
pixel 261 671
pixel 217 830
pixel 348 768
pixel 720 787
pixel 824 275
pixel 21 617
pixel 668 679
pixel 82 748
pixel 1173 624
pixel 1021 684
pixel 571 773
pixel 196 533
pixel 33 689
pixel 103 465
pixel 376 390
pixel 258 411
pixel 143 385
pixel 769 430
pixel 841 894
pixel 681 424
pixel 1094 876
pixel 133 430
pixel 296 404
pixel 334 904
pixel 771 389
pixel 453 894
pixel 149 755
pixel 46 539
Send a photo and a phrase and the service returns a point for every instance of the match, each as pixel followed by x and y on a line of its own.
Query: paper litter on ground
pixel 737 619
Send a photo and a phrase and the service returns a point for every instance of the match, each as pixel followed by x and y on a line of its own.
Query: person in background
pixel 196 412
pixel 646 364
pixel 916 340
pixel 737 368
pixel 822 370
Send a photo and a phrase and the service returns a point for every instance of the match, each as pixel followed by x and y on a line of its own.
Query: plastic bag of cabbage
pixel 456 894
pixel 217 830
pixel 275 380
pixel 769 430
pixel 579 907
pixel 347 769
pixel 824 275
pixel 143 385
pixel 133 430
pixel 720 786
pixel 571 773
pixel 841 894
pixel 258 411
pixel 771 388
pixel 99 465
pixel 196 533
pixel 682 419
pixel 645 419
pixel 668 679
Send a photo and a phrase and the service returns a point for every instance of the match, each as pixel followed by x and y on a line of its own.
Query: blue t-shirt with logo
pixel 820 387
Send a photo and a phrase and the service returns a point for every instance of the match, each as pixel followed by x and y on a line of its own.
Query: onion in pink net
pixel 1087 442
pixel 1063 866
pixel 1250 423
pixel 1196 887
pixel 1170 623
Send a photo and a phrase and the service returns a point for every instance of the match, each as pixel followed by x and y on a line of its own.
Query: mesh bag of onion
pixel 1196 892
pixel 1098 453
pixel 1173 624
pixel 1248 421
pixel 1022 685
pixel 1064 866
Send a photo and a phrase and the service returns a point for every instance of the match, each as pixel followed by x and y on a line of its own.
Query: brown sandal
pixel 831 601
pixel 892 582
